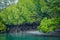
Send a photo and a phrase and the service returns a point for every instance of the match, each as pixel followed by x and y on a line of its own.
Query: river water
pixel 26 36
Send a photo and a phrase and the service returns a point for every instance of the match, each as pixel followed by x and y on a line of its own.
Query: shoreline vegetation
pixel 21 27
pixel 41 15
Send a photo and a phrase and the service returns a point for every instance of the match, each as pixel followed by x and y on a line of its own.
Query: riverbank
pixel 36 33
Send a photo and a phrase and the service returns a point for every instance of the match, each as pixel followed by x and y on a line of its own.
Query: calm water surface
pixel 24 36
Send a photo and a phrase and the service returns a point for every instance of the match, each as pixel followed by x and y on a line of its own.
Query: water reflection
pixel 24 36
pixel 5 3
pixel 2 36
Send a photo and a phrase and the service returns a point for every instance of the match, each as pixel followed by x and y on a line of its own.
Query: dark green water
pixel 26 37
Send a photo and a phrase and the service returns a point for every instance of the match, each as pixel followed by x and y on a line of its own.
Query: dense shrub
pixel 49 25
pixel 52 8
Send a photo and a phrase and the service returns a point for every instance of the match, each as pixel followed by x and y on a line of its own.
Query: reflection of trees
pixel 2 36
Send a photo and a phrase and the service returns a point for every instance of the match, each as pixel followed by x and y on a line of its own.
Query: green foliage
pixel 29 11
pixel 2 27
pixel 49 25
pixel 24 11
pixel 51 7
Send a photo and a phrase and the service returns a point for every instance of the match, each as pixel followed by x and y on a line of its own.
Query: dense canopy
pixel 52 22
pixel 29 11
